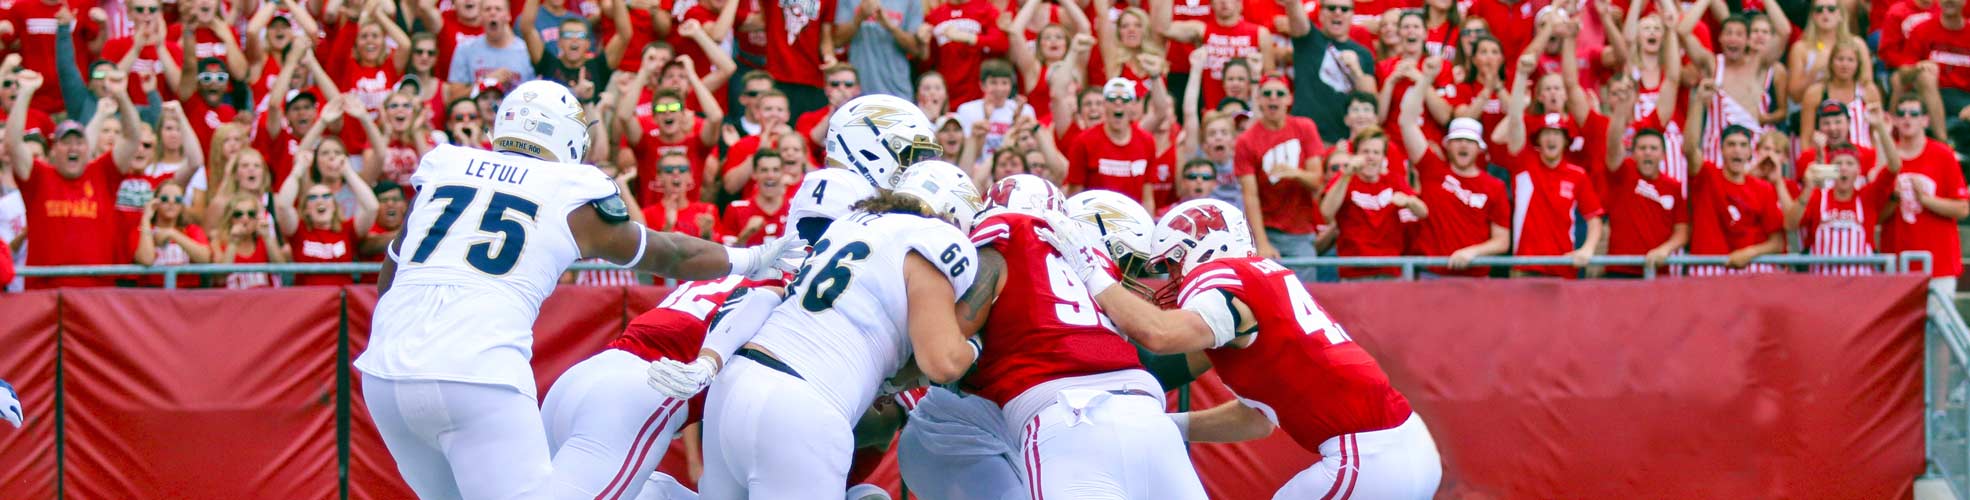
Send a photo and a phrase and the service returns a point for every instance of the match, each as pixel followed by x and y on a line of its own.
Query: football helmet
pixel 541 119
pixel 946 188
pixel 878 136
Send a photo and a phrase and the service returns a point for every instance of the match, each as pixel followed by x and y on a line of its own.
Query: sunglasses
pixel 1826 8
pixel 152 9
pixel 1337 8
pixel 1119 98
pixel 1200 177
pixel 841 83
pixel 575 35
pixel 1275 93
pixel 399 105
pixel 213 77
pixel 241 214
pixel 465 117
pixel 314 197
pixel 673 169
pixel 146 145
pixel 1476 32
pixel 171 199
pixel 98 75
pixel 754 93
pixel 668 107
pixel 424 52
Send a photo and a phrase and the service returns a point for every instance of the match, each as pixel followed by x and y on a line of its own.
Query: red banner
pixel 27 360
pixel 1768 387
pixel 199 394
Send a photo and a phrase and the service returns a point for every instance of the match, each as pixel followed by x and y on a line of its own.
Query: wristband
pixel 642 243
pixel 976 349
pixel 1098 281
pixel 740 260
pixel 1183 424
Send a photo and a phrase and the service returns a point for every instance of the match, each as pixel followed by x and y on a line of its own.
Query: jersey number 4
pixel 483 255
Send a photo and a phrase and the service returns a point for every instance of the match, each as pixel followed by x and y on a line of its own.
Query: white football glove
pixel 10 405
pixel 768 261
pixel 681 380
pixel 1082 249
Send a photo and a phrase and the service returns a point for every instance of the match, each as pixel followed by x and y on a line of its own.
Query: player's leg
pixel 933 472
pixel 494 443
pixel 805 444
pixel 606 427
pixel 732 405
pixel 1153 447
pixel 419 460
pixel 1064 456
pixel 661 486
pixel 1397 463
pixel 1332 477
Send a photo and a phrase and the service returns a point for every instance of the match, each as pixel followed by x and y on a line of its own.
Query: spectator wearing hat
pixel 1116 156
pixel 1732 212
pixel 1470 215
pixel 1279 167
pixel 1329 65
pixel 1840 220
pixel 209 85
pixel 499 58
pixel 1832 131
pixel 1554 190
pixel 1365 204
pixel 38 25
pixel 68 191
pixel 1647 212
pixel 950 133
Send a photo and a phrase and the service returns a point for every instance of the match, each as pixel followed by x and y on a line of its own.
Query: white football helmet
pixel 1123 224
pixel 1199 231
pixel 878 136
pixel 946 188
pixel 1025 194
pixel 541 119
pixel 824 196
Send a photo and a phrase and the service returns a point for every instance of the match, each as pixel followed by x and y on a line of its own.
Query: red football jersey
pixel 1544 202
pixel 1303 371
pixel 1462 211
pixel 1045 324
pixel 1641 213
pixel 676 328
pixel 1369 224
pixel 1726 216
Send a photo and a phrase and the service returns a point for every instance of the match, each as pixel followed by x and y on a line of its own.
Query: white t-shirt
pixel 13 222
pixel 842 326
pixel 972 112
pixel 468 286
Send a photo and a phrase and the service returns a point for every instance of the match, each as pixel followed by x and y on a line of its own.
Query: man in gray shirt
pixel 884 32
pixel 500 55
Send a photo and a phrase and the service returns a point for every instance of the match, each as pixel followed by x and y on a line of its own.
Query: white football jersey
pixel 843 325
pixel 486 242
pixel 828 193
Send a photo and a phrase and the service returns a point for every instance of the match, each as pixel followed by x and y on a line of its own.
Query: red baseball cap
pixel 1558 121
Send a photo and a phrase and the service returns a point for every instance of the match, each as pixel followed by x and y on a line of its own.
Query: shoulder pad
pixel 612 209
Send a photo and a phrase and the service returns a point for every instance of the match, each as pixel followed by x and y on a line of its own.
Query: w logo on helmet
pixel 1199 220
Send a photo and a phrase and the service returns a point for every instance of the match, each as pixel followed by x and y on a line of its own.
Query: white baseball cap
pixel 1467 129
pixel 1119 86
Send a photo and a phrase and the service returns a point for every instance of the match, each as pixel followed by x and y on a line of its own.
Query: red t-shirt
pixel 684 47
pixel 1726 216
pixel 146 63
pixel 169 254
pixel 737 215
pixel 959 62
pixel 1936 172
pixel 687 217
pixel 1589 151
pixel 751 44
pixel 794 56
pixel 205 118
pixel 1190 10
pixel 1950 49
pixel 1286 204
pixel 279 151
pixel 1369 224
pixel 1223 44
pixel 1095 162
pixel 241 281
pixel 1545 200
pixel 737 155
pixel 82 216
pixel 456 33
pixel 651 148
pixel 312 245
pixel 1641 212
pixel 1511 23
pixel 642 31
pixel 1894 36
pixel 1810 156
pixel 1162 180
pixel 1462 211
pixel 34 30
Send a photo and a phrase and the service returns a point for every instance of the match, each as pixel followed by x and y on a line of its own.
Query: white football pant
pixel 1395 463
pixel 770 435
pixel 607 428
pixel 460 440
pixel 1096 445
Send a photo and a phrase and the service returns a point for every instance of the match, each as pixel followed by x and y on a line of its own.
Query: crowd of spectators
pixel 163 132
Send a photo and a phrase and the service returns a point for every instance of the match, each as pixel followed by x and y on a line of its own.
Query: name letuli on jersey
pixel 498 172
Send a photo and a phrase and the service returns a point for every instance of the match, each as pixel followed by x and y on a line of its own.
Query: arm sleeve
pixel 1215 307
pixel 737 320
pixel 75 93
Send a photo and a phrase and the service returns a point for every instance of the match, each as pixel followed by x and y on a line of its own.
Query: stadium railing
pixel 1946 392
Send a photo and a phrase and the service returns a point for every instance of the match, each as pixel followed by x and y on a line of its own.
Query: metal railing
pixel 171 273
pixel 1946 378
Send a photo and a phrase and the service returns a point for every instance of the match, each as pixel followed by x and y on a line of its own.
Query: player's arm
pixel 389 272
pixel 976 304
pixel 1231 422
pixel 878 426
pixel 1208 320
pixel 603 229
pixel 737 320
pixel 943 351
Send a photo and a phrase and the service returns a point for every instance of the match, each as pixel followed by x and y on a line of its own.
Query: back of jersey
pixel 844 321
pixel 1044 325
pixel 486 243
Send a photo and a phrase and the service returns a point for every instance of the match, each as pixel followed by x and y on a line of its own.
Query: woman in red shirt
pixel 1365 202
pixel 249 239
pixel 464 127
pixel 407 137
pixel 166 236
pixel 322 233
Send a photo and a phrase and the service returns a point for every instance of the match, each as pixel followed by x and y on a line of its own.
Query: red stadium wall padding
pixel 1252 469
pixel 372 473
pixel 27 360
pixel 200 394
pixel 1744 387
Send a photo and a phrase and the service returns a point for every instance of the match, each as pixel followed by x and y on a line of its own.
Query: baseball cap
pixel 1118 87
pixel 1557 121
pixel 947 119
pixel 68 127
pixel 1832 108
pixel 416 85
pixel 211 65
pixel 1468 129
pixel 487 85
pixel 297 94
